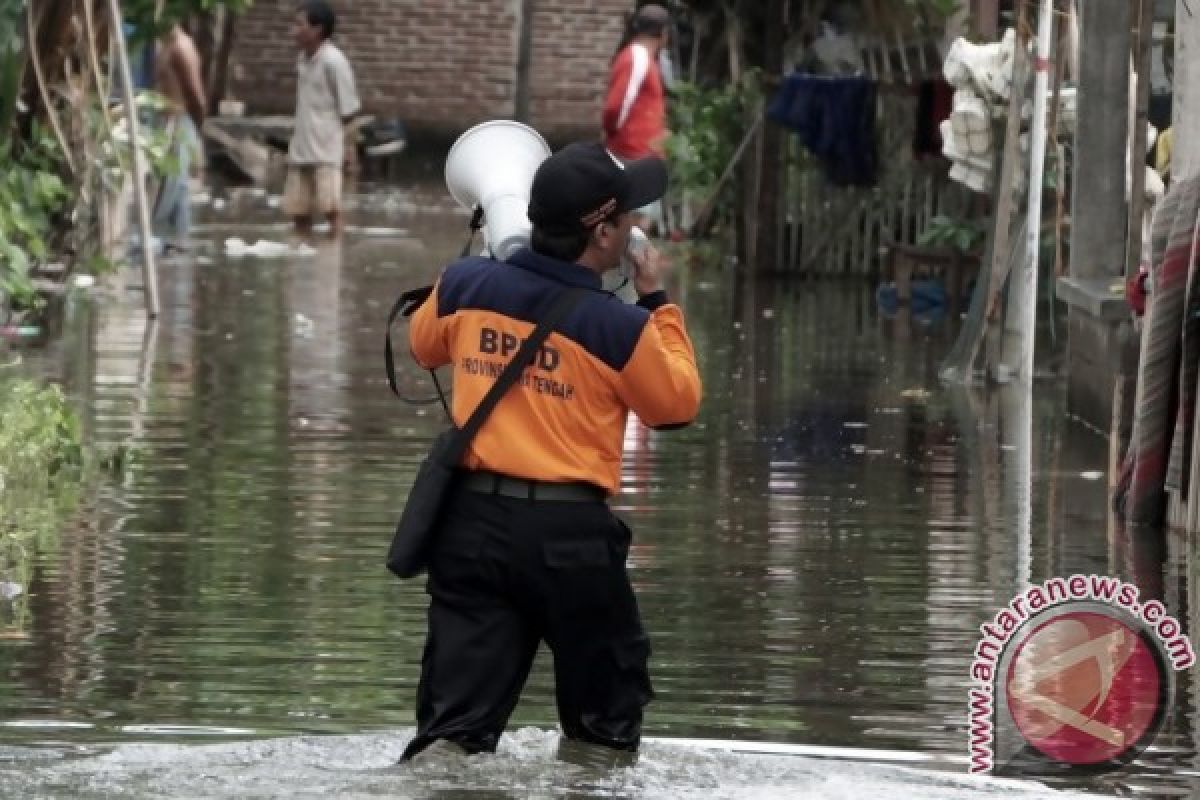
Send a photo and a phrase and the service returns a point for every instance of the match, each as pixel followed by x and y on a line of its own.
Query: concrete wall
pixel 1101 366
pixel 443 65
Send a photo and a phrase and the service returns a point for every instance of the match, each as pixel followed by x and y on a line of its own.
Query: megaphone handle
pixel 476 225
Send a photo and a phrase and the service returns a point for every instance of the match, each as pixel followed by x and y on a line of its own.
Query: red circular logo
pixel 1084 688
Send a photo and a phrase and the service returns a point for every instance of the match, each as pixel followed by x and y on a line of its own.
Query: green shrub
pixel 31 195
pixel 707 124
pixel 41 471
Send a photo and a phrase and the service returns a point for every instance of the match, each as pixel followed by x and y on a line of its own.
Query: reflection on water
pixel 814 556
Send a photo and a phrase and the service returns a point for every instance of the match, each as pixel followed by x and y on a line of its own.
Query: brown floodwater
pixel 814 556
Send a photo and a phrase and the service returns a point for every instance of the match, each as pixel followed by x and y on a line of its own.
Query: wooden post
pixel 769 246
pixel 521 102
pixel 1143 47
pixel 149 273
pixel 1023 288
pixel 987 19
pixel 1098 210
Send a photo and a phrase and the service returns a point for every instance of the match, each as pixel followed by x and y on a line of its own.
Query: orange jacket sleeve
pixel 661 382
pixel 429 334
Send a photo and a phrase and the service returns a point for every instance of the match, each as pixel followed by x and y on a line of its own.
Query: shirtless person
pixel 177 78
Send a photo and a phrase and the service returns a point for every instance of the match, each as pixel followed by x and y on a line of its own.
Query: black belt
pixel 494 483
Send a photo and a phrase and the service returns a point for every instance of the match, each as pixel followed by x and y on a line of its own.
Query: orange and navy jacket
pixel 635 106
pixel 564 419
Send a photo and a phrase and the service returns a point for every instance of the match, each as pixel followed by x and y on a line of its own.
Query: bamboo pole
pixel 711 202
pixel 149 273
pixel 1002 250
pixel 44 90
pixel 1024 289
pixel 1060 169
pixel 102 88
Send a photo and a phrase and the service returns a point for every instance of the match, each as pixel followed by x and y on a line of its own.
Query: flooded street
pixel 813 557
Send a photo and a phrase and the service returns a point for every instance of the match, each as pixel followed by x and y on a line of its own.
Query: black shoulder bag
pixel 408 555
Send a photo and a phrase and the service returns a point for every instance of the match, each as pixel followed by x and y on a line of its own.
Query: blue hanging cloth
pixel 834 117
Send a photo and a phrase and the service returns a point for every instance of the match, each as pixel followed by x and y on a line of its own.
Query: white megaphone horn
pixel 491 166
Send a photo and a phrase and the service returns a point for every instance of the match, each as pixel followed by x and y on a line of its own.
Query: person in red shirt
pixel 635 111
pixel 635 107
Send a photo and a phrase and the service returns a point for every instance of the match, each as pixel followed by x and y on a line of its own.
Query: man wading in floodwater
pixel 326 100
pixel 528 549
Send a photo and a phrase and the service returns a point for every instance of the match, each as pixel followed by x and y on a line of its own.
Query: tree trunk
pixel 218 76
pixel 202 28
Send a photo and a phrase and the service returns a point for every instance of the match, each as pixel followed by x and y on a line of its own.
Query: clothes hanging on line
pixel 935 101
pixel 835 119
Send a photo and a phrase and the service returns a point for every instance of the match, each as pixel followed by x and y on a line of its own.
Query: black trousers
pixel 506 574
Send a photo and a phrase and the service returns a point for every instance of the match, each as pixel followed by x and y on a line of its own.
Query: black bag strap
pixel 405 305
pixel 567 300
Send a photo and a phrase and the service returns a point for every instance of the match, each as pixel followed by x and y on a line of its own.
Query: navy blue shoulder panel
pixel 601 324
pixel 458 278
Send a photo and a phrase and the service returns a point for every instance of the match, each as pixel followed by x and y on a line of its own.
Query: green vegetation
pixel 32 194
pixel 63 149
pixel 148 22
pixel 706 125
pixel 955 233
pixel 41 471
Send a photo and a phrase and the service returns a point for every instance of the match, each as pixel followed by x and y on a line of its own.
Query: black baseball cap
pixel 579 186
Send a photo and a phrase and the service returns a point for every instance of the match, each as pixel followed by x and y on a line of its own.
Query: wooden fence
pixel 838 231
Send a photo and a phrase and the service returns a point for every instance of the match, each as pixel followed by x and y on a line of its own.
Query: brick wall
pixel 443 65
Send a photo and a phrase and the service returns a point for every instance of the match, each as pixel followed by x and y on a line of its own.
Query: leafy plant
pixel 153 139
pixel 11 13
pixel 706 126
pixel 11 62
pixel 41 471
pixel 148 22
pixel 31 195
pixel 940 8
pixel 963 235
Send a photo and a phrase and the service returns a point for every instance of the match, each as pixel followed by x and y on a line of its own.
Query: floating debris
pixel 303 326
pixel 376 231
pixel 263 248
pixel 84 281
pixel 1091 475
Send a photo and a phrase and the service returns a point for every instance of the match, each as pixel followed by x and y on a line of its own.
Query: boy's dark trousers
pixel 505 574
